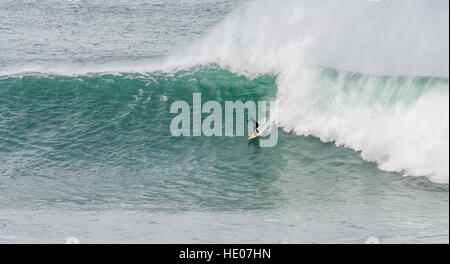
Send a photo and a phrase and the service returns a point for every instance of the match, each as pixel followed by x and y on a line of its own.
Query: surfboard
pixel 254 136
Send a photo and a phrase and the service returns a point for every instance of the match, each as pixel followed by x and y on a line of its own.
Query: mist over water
pixel 86 150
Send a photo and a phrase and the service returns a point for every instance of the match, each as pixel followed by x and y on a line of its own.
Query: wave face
pixel 103 138
pixel 373 99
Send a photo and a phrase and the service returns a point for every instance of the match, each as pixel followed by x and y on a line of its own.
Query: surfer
pixel 255 124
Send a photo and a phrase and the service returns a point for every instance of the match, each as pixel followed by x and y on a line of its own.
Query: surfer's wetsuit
pixel 255 124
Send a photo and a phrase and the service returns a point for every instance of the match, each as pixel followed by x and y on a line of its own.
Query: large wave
pixel 400 122
pixel 349 72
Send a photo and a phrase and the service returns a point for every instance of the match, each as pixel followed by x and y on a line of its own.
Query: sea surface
pixel 86 149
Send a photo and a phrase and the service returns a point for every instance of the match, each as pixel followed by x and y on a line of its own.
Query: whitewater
pixel 388 100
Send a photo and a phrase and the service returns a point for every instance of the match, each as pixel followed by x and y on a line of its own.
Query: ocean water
pixel 363 137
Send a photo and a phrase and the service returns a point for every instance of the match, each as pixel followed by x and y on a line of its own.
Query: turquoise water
pixel 89 153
